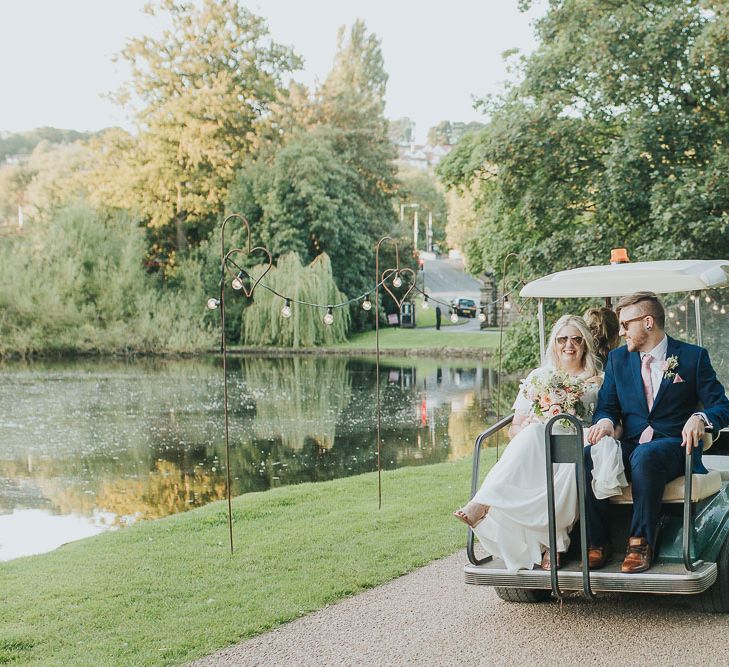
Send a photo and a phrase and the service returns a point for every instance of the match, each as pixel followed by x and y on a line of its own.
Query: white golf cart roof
pixel 617 279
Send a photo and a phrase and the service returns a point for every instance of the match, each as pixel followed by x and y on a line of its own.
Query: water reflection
pixel 112 443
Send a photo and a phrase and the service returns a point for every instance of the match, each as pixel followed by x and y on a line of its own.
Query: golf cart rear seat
pixel 702 486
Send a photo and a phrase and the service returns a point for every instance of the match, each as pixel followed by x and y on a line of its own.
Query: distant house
pixel 424 157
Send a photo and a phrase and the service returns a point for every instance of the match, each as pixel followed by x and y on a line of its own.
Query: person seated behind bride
pixel 509 512
pixel 604 326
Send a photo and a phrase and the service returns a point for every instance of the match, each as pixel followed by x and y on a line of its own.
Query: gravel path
pixel 431 617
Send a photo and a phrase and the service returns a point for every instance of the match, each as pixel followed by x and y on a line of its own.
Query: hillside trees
pixel 617 136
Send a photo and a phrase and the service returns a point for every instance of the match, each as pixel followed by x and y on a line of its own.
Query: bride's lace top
pixel 589 398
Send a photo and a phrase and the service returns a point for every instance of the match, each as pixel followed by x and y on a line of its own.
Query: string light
pixel 397 282
pixel 715 306
pixel 671 314
pixel 682 308
pixel 454 317
pixel 238 280
pixel 367 304
pixel 329 317
pixel 692 297
pixel 723 310
pixel 707 298
pixel 425 302
pixel 286 310
pixel 213 303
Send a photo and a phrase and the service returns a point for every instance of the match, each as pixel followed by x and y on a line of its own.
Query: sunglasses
pixel 576 340
pixel 624 323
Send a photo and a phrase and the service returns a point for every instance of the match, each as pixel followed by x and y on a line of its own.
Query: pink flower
pixel 555 410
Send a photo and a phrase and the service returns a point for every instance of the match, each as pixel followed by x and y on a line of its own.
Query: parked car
pixel 464 307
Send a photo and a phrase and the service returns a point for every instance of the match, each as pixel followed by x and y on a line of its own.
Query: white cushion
pixel 702 486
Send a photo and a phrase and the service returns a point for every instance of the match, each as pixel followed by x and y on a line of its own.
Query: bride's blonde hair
pixel 590 361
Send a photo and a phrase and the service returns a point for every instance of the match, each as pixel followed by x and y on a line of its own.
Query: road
pixel 445 279
pixel 431 617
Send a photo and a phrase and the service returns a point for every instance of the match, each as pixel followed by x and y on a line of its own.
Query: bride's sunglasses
pixel 576 340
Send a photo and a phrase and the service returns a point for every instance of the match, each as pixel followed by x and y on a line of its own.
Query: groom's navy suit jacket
pixel 622 398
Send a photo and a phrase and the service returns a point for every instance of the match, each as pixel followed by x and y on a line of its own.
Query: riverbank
pixel 169 591
pixel 393 342
pixel 398 342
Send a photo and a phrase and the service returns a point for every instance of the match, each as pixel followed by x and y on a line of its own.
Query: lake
pixel 93 445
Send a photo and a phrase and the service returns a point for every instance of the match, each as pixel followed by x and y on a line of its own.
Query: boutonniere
pixel 669 367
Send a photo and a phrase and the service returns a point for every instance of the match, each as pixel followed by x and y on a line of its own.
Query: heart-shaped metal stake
pixel 234 272
pixel 392 273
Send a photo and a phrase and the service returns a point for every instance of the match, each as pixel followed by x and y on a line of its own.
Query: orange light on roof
pixel 619 256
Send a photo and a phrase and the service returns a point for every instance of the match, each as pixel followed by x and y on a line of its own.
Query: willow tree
pixel 263 323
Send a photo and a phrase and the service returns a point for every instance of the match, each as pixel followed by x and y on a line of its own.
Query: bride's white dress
pixel 516 528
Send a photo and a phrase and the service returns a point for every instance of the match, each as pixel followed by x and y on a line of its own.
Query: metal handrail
pixel 475 483
pixel 570 452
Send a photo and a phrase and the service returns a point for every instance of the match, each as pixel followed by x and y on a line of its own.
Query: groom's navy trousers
pixel 649 467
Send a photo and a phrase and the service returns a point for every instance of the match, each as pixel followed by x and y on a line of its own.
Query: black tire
pixel 715 599
pixel 523 594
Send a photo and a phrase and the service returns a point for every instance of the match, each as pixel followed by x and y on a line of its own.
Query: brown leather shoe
pixel 546 563
pixel 597 557
pixel 638 557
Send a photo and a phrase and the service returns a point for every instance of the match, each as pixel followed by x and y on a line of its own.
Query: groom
pixel 653 387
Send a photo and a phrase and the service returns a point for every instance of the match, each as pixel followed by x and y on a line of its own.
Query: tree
pixel 206 85
pixel 616 136
pixel 329 187
pixel 418 187
pixel 446 133
pixel 402 131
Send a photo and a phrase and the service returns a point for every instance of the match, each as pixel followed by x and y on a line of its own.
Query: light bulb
pixel 367 304
pixel 671 314
pixel 715 306
pixel 329 317
pixel 692 297
pixel 454 318
pixel 213 303
pixel 482 316
pixel 286 310
pixel 397 282
pixel 682 308
pixel 723 310
pixel 426 305
pixel 238 281
pixel 507 304
pixel 707 298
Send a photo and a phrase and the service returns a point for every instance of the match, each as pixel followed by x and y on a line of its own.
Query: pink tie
pixel 645 373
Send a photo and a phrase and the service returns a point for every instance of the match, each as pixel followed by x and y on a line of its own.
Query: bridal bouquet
pixel 555 394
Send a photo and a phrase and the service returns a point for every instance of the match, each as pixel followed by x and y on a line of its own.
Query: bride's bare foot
pixel 472 513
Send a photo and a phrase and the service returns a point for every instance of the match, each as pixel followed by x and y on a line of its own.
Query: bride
pixel 509 512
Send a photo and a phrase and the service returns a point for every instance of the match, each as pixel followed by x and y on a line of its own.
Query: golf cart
pixel 692 549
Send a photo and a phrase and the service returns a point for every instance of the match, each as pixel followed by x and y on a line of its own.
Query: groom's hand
pixel 600 430
pixel 693 431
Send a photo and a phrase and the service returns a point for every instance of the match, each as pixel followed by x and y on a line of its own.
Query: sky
pixel 57 55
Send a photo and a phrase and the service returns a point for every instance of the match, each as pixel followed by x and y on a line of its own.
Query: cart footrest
pixel 668 578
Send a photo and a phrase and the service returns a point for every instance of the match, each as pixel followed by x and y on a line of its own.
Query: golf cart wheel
pixel 523 594
pixel 715 600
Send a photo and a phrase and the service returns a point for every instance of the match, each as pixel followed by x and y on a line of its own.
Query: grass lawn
pixel 169 591
pixel 407 339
